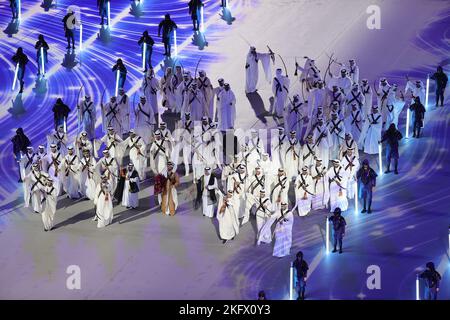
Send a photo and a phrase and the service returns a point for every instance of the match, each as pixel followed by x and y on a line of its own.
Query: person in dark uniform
pixel 69 22
pixel 262 295
pixel 41 43
pixel 102 6
pixel 367 180
pixel 21 60
pixel 122 72
pixel 14 5
pixel 392 136
pixel 20 143
pixel 432 279
pixel 146 38
pixel 441 80
pixel 301 268
pixel 167 25
pixel 339 224
pixel 418 111
pixel 60 113
pixel 194 11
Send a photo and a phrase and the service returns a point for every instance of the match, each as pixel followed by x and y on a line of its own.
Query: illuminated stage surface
pixel 145 255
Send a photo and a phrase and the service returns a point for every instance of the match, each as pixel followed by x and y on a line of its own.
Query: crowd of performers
pixel 315 151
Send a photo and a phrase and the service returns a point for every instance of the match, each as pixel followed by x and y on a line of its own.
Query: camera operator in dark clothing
pixel 392 136
pixel 367 180
pixel 432 279
pixel 301 269
pixel 441 80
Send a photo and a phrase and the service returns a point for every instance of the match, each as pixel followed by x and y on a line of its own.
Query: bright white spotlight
pixel 42 61
pixel 327 236
pixel 81 37
pixel 417 288
pixel 202 25
pixel 356 198
pixel 175 48
pixel 109 14
pixel 19 10
pixel 426 93
pixel 144 53
pixel 408 115
pixel 16 73
pixel 117 81
pixel 291 282
pixel 380 158
pixel 226 4
pixel 449 240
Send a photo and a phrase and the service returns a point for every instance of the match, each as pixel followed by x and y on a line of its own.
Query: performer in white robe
pixel 25 164
pixel 59 137
pixel 207 189
pixel 350 164
pixel 337 179
pixel 256 182
pixel 205 86
pixel 167 88
pixel 371 132
pixel 239 184
pixel 226 109
pixel 41 154
pixel 86 168
pixel 308 152
pixel 382 93
pixel 49 202
pixel 295 116
pixel 336 128
pixel 366 89
pixel 279 187
pixel 312 123
pixel 111 116
pixel 251 68
pixel 277 145
pixel 265 217
pixel 227 217
pixel 415 89
pixel 355 96
pixel 103 203
pixel 33 182
pixel 182 91
pixel 321 136
pixel 394 107
pixel 254 150
pixel 216 93
pixel 113 143
pixel 354 122
pixel 321 184
pixel 53 163
pixel 283 232
pixel 70 174
pixel 280 91
pixel 137 153
pixel 145 120
pixel 267 167
pixel 130 195
pixel 107 166
pixel 353 71
pixel 228 170
pixel 82 143
pixel 292 159
pixel 317 97
pixel 304 191
pixel 195 102
pixel 166 135
pixel 336 103
pixel 310 74
pixel 124 111
pixel 344 82
pixel 87 116
pixel 185 141
pixel 159 154
pixel 349 142
pixel 150 87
